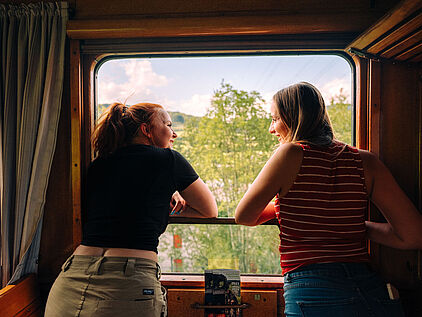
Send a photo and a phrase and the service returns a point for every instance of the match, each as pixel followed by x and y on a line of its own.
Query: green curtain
pixel 32 41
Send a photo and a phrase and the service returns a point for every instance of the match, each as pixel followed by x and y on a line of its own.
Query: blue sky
pixel 187 84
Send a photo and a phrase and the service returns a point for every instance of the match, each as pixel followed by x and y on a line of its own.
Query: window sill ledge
pixel 177 280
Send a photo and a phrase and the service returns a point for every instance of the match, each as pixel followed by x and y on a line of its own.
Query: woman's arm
pixel 267 214
pixel 277 176
pixel 403 228
pixel 200 202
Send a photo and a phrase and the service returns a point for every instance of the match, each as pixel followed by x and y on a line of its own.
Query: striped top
pixel 322 217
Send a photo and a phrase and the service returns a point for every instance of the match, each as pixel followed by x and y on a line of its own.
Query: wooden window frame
pixel 86 56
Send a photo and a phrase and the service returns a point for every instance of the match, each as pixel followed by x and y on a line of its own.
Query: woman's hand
pixel 177 204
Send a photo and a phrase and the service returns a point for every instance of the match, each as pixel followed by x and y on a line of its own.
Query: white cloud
pixel 268 97
pixel 333 87
pixel 140 76
pixel 197 105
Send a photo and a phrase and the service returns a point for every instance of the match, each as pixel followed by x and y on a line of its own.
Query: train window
pixel 220 110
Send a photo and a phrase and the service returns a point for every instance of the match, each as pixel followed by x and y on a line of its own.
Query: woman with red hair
pixel 132 186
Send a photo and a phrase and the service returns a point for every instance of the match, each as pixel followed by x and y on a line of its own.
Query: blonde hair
pixel 119 124
pixel 302 110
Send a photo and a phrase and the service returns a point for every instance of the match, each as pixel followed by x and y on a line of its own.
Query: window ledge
pixel 171 280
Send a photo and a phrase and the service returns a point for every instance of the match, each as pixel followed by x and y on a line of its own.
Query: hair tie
pixel 124 110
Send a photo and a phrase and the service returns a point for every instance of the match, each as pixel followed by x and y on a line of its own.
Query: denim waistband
pixel 99 264
pixel 346 269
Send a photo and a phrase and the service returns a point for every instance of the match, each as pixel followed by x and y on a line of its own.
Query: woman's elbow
pixel 241 219
pixel 212 211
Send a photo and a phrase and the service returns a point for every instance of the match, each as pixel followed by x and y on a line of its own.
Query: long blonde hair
pixel 302 109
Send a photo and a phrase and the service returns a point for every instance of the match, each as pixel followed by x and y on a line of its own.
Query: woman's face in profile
pixel 277 126
pixel 162 134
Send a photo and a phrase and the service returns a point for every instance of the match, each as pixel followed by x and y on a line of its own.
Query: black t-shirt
pixel 128 196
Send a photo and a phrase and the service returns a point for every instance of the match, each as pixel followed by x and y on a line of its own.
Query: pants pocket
pixel 329 308
pixel 133 308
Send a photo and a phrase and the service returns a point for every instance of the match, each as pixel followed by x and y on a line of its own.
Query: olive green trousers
pixel 107 286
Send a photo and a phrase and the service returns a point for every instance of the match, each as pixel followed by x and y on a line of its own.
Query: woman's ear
pixel 145 130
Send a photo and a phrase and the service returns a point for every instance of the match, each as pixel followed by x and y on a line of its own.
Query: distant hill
pixel 178 118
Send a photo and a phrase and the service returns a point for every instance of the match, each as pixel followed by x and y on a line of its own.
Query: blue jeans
pixel 337 290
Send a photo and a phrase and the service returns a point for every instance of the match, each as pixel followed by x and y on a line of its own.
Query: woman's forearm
pixel 382 233
pixel 190 212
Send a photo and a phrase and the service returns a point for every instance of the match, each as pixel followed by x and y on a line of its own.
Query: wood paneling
pixel 21 299
pixel 180 301
pixel 361 102
pixel 76 129
pixel 374 110
pixel 172 18
pixel 106 8
pixel 210 26
pixel 397 35
pixel 399 147
pixel 197 281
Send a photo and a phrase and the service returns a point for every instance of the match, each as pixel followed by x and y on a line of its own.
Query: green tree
pixel 228 147
pixel 340 113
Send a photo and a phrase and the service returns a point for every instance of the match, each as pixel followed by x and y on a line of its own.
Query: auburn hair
pixel 119 124
pixel 302 109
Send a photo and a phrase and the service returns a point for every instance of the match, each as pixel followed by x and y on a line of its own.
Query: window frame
pixel 86 57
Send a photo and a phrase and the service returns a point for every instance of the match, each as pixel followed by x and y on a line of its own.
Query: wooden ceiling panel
pixel 410 53
pixel 396 36
pixel 402 45
pixel 417 59
pixel 110 19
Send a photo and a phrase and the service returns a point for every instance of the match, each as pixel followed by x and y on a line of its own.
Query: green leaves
pixel 228 147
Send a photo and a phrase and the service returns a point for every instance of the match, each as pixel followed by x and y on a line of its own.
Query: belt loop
pixel 158 271
pixel 130 266
pixel 95 267
pixel 67 264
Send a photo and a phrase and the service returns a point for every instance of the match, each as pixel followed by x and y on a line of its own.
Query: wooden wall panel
pixel 399 150
pixel 105 8
pixel 128 18
pixel 76 137
pixel 21 299
pixel 180 301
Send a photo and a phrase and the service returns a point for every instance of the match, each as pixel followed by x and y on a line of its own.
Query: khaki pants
pixel 107 286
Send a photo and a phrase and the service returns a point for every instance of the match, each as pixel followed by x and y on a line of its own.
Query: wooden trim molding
pixel 374 103
pixel 210 26
pixel 76 130
pixel 177 280
pixel 361 102
pixel 388 22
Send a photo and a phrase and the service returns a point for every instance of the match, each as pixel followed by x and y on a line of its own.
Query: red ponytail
pixel 119 124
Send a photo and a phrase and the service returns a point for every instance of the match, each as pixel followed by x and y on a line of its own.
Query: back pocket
pixel 133 308
pixel 330 308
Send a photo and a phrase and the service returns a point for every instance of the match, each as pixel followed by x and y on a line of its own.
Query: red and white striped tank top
pixel 322 217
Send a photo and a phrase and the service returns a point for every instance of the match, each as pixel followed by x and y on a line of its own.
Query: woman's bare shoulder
pixel 370 160
pixel 290 150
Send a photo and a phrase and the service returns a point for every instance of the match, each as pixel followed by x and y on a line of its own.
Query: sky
pixel 186 84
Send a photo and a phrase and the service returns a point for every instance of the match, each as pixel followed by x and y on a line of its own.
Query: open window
pixel 219 104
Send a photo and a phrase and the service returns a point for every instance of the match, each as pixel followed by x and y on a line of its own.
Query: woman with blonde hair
pixel 322 188
pixel 132 186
